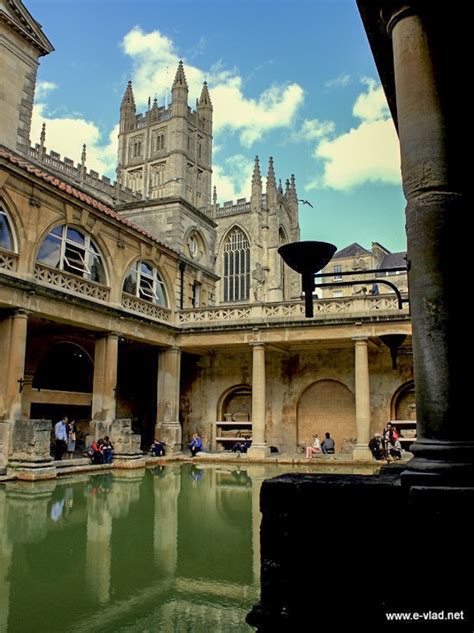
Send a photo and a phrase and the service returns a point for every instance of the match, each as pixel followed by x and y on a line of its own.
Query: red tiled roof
pixel 15 159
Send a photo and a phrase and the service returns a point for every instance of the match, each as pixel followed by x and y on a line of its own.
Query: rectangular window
pixel 337 270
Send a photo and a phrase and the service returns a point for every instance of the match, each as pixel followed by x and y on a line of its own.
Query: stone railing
pixel 324 309
pixel 233 209
pixel 8 261
pixel 145 308
pixel 70 283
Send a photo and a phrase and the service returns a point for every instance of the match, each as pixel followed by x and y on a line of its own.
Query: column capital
pixel 360 339
pixel 174 349
pixel 256 344
pixel 392 15
pixel 21 313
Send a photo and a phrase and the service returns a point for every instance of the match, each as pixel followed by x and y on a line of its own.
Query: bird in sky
pixel 306 202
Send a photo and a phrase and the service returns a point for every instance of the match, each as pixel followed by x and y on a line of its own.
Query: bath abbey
pixel 148 308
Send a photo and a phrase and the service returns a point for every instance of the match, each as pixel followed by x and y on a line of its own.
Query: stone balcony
pixel 380 307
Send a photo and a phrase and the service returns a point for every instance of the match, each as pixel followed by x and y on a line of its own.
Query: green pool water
pixel 174 548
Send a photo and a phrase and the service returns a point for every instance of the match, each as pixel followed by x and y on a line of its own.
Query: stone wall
pixel 302 387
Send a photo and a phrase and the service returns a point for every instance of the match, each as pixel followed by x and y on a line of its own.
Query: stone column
pixel 168 427
pixel 13 333
pixel 16 363
pixel 428 70
pixel 105 382
pixel 259 448
pixel 362 398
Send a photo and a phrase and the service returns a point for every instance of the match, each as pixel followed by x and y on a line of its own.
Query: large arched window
pixel 236 266
pixel 74 252
pixel 6 234
pixel 143 280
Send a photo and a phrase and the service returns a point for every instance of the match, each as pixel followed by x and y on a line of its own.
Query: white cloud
pixel 340 81
pixel 155 60
pixel 276 107
pixel 367 153
pixel 42 89
pixel 371 105
pixel 233 177
pixel 68 134
pixel 314 129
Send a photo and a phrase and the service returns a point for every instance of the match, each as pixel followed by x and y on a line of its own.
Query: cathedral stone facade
pixel 144 307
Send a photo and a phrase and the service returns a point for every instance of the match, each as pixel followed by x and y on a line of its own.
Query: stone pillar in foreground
pixel 428 71
pixel 168 427
pixel 259 448
pixel 104 401
pixel 362 399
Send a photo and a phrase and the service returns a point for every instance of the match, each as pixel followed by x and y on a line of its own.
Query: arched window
pixel 73 251
pixel 6 234
pixel 236 266
pixel 143 280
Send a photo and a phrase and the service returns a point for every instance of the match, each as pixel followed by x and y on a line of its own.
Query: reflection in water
pixel 168 549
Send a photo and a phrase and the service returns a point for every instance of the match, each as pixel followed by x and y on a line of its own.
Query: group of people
pixel 386 445
pixel 326 447
pixel 65 435
pixel 101 451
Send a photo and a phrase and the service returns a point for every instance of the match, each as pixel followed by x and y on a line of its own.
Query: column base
pixel 129 461
pixel 437 462
pixel 258 451
pixel 31 471
pixel 362 453
pixel 172 434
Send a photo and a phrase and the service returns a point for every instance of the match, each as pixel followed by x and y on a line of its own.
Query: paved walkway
pixel 83 464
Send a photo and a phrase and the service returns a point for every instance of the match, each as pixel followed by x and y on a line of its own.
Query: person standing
pixel 71 439
pixel 60 434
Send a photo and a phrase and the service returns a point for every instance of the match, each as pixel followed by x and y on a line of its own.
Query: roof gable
pixel 17 16
pixel 353 250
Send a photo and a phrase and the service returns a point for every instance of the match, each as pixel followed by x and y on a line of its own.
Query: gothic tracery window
pixel 73 251
pixel 144 281
pixel 236 266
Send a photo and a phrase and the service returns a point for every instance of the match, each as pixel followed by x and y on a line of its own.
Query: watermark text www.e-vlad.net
pixel 425 616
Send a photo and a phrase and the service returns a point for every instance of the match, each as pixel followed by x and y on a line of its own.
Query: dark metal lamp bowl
pixel 307 258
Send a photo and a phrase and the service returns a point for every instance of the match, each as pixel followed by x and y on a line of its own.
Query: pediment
pixel 16 15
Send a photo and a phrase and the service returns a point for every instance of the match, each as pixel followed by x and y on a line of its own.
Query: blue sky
pixel 293 80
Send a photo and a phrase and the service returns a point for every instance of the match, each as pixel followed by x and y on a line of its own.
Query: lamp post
pixel 307 258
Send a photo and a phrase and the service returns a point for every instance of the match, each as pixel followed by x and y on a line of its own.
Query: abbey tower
pixel 165 156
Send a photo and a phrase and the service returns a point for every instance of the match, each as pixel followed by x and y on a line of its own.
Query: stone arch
pixel 234 226
pixel 327 406
pixel 235 400
pixel 66 366
pixel 403 405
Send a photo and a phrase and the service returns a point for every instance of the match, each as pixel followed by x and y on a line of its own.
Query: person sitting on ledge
pixel 328 445
pixel 158 448
pixel 107 450
pixel 376 447
pixel 241 447
pixel 195 445
pixel 315 449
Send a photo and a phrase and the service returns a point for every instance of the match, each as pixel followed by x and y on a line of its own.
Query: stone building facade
pixel 144 309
